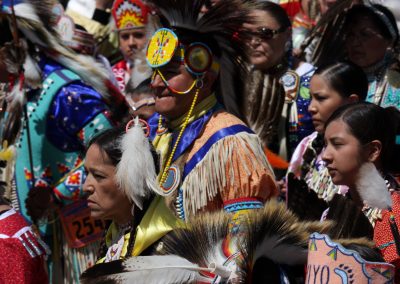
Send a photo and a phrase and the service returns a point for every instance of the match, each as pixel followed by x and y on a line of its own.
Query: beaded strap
pixel 169 161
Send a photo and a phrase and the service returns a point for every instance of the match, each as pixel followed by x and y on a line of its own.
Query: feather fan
pixel 270 237
pixel 277 234
pixel 205 233
pixel 273 233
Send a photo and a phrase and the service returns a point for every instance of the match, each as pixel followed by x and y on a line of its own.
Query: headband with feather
pixel 218 29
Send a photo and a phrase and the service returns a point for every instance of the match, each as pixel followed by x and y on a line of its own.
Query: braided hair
pixel 108 142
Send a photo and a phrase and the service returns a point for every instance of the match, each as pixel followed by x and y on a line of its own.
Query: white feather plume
pixel 136 172
pixel 92 72
pixel 146 269
pixel 33 75
pixel 372 187
pixel 26 10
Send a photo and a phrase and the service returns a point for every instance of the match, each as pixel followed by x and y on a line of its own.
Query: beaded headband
pixel 197 58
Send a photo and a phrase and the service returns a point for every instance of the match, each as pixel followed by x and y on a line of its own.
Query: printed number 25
pixel 86 223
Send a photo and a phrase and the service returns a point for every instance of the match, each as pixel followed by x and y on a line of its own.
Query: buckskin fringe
pixel 211 172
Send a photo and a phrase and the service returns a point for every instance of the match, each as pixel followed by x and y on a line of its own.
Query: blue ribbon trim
pixel 244 205
pixel 153 124
pixel 222 133
pixel 190 134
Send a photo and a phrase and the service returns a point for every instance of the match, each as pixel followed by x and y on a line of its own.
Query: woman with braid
pixel 106 198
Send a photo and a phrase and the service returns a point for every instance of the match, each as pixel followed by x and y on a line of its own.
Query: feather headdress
pixel 220 30
pixel 36 23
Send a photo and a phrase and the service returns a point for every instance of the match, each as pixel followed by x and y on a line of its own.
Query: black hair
pixel 376 13
pixel 81 28
pixel 276 12
pixel 143 88
pixel 345 78
pixel 108 142
pixel 6 35
pixel 368 254
pixel 368 122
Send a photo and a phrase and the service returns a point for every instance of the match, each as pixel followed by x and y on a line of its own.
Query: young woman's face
pixel 343 154
pixel 324 101
pixel 105 199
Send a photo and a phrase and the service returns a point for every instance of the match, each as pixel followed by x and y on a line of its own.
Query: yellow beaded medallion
pixel 161 48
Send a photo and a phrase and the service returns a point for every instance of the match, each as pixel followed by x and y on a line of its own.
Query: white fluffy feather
pixel 372 187
pixel 136 172
pixel 149 270
pixel 33 76
pixel 93 73
pixel 26 10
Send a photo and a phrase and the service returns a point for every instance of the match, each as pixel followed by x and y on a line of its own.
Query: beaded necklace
pixel 169 161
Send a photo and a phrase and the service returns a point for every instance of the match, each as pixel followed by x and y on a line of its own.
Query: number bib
pixel 78 226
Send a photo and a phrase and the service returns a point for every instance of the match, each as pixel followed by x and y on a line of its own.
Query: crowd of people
pixel 199 141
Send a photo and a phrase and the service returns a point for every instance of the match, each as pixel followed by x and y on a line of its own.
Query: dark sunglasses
pixel 266 33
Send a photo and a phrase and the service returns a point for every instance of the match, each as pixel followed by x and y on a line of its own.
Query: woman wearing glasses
pixel 276 100
pixel 371 42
